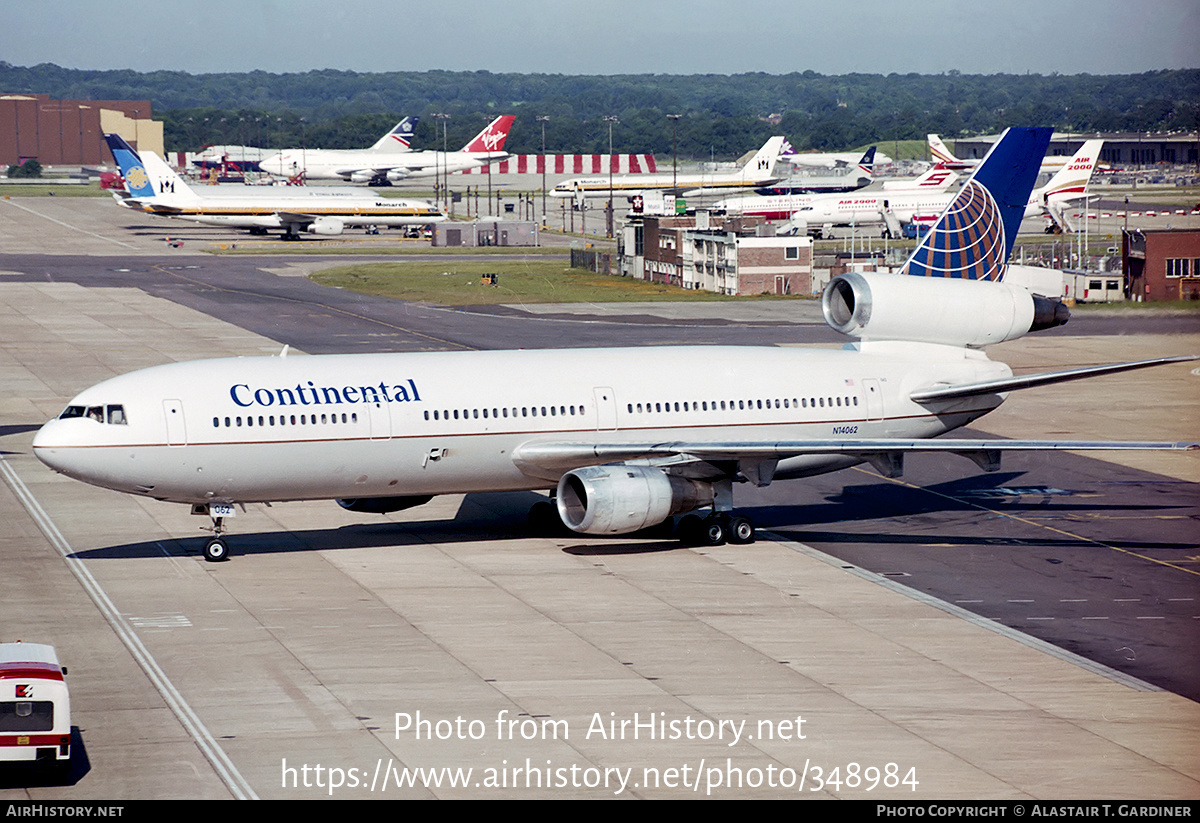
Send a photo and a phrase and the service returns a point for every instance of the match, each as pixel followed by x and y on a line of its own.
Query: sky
pixel 607 36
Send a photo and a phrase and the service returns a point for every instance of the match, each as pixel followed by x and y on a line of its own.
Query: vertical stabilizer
pixel 491 139
pixel 939 152
pixel 762 164
pixel 867 163
pixel 137 181
pixel 399 138
pixel 1071 181
pixel 974 236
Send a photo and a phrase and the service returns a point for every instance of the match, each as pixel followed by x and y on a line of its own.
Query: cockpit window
pixel 113 414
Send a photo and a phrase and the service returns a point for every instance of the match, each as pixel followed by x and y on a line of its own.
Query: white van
pixel 35 709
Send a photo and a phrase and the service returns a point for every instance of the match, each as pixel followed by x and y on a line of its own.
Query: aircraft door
pixel 176 429
pixel 380 418
pixel 606 408
pixel 874 398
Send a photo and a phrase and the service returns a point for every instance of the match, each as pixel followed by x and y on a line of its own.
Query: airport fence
pixel 600 262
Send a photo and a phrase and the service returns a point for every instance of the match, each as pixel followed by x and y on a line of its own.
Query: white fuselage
pixel 360 165
pixel 270 207
pixel 862 209
pixel 628 185
pixel 353 426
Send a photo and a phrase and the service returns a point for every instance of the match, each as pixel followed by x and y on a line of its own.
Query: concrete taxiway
pixel 351 650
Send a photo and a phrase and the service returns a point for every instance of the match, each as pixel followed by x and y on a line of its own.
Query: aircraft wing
pixel 159 208
pixel 296 217
pixel 757 461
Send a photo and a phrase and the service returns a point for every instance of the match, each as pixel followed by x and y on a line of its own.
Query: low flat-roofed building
pixel 1124 149
pixel 486 232
pixel 726 255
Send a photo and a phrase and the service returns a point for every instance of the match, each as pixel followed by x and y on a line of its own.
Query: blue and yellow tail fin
pixel 137 181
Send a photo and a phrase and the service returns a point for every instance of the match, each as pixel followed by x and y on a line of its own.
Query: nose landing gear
pixel 216 549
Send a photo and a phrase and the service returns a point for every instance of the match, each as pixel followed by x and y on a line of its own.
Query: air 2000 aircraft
pixel 627 437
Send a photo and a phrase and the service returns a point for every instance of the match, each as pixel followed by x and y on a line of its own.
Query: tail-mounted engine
pixel 877 306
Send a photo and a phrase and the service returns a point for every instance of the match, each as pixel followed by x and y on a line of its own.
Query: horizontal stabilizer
pixel 1031 380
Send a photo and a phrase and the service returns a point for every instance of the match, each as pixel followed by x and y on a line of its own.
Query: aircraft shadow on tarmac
pixel 503 516
pixel 480 518
pixel 877 503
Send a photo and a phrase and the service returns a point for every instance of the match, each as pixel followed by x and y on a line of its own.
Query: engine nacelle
pixel 364 176
pixel 623 499
pixel 877 306
pixel 382 505
pixel 327 226
pixel 397 174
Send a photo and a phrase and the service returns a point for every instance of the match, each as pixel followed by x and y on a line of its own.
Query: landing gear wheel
pixel 215 550
pixel 715 530
pixel 741 530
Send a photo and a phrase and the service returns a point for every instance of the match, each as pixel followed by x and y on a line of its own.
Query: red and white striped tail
pixel 571 164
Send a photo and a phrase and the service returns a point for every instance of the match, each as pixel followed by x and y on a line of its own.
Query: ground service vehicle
pixel 35 708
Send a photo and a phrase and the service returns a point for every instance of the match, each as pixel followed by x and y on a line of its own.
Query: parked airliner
pixel 383 166
pixel 627 438
pixel 155 188
pixel 942 154
pixel 827 160
pixel 841 179
pixel 865 208
pixel 758 171
pixel 783 206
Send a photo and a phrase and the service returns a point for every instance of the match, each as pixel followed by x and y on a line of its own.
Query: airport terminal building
pixel 71 132
pixel 1121 149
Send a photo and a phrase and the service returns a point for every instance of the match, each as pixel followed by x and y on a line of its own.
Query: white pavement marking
pixel 215 755
pixel 67 225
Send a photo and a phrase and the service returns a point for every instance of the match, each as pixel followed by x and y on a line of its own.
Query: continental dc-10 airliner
pixel 625 438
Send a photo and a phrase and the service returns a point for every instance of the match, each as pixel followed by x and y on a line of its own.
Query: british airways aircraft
pixel 626 438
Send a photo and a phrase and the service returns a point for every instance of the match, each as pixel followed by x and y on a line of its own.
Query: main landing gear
pixel 715 530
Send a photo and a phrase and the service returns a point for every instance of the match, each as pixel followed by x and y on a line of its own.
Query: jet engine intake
pixel 877 306
pixel 623 499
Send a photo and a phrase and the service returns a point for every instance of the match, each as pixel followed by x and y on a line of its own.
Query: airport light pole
pixel 610 119
pixel 543 120
pixel 441 158
pixel 674 118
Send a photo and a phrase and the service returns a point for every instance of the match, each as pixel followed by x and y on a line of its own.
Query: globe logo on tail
pixel 966 243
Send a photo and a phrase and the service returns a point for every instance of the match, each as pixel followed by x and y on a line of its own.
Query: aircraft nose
pixel 49 443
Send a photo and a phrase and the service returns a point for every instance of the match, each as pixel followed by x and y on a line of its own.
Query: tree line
pixel 722 116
